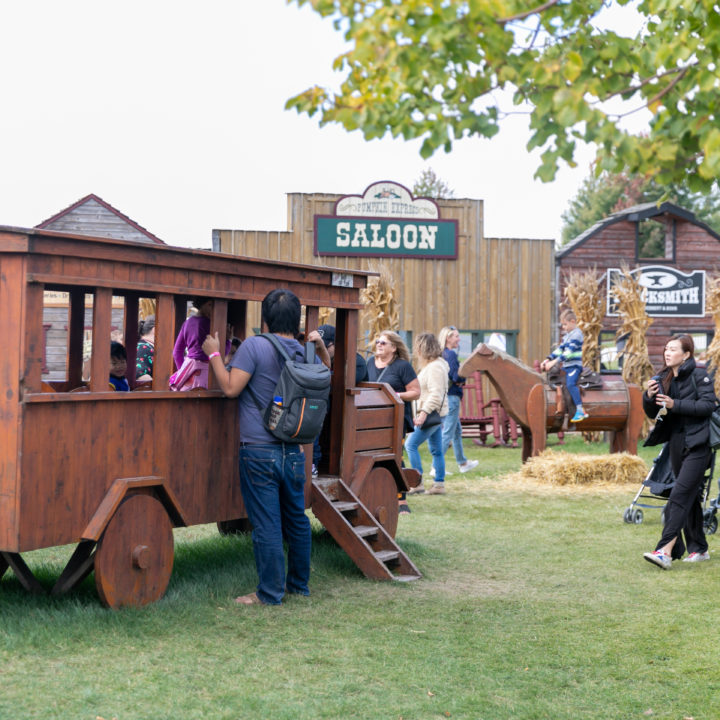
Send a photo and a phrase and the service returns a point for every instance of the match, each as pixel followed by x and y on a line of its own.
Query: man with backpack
pixel 272 470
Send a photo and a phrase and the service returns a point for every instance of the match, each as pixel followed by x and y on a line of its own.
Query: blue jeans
pixel 272 479
pixel 452 430
pixel 572 374
pixel 434 439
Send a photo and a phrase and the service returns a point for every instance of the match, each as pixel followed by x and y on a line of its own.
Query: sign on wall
pixel 386 221
pixel 667 292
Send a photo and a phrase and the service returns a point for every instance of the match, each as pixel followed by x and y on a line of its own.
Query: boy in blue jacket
pixel 569 353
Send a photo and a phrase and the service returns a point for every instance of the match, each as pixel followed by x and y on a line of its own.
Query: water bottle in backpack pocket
pixel 300 399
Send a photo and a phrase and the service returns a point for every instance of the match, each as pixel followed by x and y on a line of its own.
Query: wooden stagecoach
pixel 115 472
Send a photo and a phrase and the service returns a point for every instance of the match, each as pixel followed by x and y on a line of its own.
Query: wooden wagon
pixel 115 472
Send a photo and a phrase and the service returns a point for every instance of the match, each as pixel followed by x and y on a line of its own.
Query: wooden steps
pixel 358 533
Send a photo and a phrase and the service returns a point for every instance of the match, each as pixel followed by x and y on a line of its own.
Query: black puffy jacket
pixel 691 409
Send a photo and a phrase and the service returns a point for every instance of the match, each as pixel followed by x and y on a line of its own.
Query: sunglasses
pixel 381 342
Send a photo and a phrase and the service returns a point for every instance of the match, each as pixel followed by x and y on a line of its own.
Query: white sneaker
pixel 468 465
pixel 697 557
pixel 432 473
pixel 659 558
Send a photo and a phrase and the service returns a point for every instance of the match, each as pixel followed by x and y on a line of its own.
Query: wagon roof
pixel 154 250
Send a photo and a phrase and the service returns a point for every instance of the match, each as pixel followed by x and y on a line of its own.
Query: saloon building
pixel 669 251
pixel 445 271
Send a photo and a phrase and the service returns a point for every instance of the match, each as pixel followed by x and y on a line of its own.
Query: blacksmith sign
pixel 667 292
pixel 386 221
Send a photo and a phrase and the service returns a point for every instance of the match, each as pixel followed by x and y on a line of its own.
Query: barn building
pixel 669 251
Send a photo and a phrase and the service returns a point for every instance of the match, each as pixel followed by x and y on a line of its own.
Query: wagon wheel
pixel 134 558
pixel 378 493
pixel 240 526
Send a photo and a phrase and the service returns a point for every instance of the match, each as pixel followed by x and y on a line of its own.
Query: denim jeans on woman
pixel 452 430
pixel 272 479
pixel 433 436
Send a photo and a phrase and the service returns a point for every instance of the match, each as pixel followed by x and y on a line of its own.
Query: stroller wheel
pixel 637 516
pixel 710 522
pixel 627 515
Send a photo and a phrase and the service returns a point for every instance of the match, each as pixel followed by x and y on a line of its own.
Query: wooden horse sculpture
pixel 539 408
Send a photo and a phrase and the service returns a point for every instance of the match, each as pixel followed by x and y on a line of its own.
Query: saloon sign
pixel 667 292
pixel 386 221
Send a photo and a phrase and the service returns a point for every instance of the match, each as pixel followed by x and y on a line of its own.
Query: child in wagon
pixel 569 353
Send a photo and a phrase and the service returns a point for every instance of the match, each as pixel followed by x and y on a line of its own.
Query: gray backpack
pixel 300 399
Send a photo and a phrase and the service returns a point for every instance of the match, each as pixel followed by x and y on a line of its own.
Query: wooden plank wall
pixel 495 283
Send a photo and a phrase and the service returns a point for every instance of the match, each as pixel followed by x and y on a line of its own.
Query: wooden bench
pixel 478 422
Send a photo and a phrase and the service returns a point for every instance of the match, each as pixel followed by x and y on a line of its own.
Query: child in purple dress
pixel 190 360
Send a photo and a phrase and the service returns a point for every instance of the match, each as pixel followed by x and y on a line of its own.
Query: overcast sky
pixel 172 112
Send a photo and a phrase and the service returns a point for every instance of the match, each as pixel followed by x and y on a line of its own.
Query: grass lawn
pixel 535 603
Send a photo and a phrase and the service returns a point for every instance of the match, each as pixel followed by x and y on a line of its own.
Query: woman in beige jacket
pixel 431 407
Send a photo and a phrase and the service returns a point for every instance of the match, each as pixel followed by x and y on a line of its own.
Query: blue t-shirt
pixel 258 357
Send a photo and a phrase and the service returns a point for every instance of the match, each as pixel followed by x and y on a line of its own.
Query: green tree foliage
pixel 602 195
pixel 431 186
pixel 431 69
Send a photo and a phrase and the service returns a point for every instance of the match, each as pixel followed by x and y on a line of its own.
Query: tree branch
pixel 635 88
pixel 666 90
pixel 527 13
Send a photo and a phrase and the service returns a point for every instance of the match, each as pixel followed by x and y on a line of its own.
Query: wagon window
pixel 610 348
pixel 55 328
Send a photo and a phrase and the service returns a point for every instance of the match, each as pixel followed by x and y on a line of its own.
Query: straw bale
pixel 562 468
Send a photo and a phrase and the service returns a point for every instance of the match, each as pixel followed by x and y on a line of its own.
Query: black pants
pixel 683 511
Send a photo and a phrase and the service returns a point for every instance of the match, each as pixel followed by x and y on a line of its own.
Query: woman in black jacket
pixel 686 393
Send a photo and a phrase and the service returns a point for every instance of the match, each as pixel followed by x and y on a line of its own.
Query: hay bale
pixel 562 468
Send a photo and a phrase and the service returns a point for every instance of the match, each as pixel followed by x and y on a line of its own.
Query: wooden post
pixel 218 324
pixel 31 321
pixel 11 293
pixel 165 333
pixel 100 361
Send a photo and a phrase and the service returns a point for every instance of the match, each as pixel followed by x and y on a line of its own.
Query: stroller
pixel 657 486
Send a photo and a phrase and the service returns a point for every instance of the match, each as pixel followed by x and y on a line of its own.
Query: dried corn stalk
pixel 324 316
pixel 582 293
pixel 381 311
pixel 636 365
pixel 712 305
